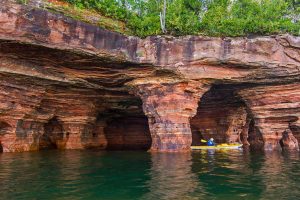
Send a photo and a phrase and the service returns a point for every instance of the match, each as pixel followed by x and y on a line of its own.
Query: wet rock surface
pixel 63 84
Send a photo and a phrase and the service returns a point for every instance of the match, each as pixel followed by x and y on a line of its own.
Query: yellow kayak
pixel 219 146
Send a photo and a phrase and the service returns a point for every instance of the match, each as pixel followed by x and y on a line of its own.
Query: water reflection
pixel 171 176
pixel 227 175
pixel 140 175
pixel 280 171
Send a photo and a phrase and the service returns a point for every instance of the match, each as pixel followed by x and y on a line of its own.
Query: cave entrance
pixel 1 148
pixel 296 131
pixel 255 138
pixel 4 128
pixel 53 134
pixel 128 133
pixel 222 115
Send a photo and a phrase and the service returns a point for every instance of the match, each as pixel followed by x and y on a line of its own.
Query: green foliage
pixel 209 17
pixel 182 18
pixel 110 8
pixel 22 1
pixel 145 19
pixel 249 17
pixel 145 25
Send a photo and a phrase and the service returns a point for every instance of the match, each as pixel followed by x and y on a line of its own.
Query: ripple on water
pixel 141 175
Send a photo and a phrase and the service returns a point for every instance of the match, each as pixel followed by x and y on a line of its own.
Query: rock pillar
pixel 275 110
pixel 289 141
pixel 83 136
pixel 22 136
pixel 169 108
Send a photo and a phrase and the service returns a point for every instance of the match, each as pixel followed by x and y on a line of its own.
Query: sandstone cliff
pixel 70 85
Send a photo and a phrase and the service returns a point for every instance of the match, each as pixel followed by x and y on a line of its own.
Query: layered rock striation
pixel 67 84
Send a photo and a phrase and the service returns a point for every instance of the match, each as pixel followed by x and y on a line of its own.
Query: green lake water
pixel 141 175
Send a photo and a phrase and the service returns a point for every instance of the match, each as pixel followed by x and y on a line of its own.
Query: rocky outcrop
pixel 67 84
pixel 275 110
pixel 221 115
pixel 169 109
pixel 50 76
pixel 128 133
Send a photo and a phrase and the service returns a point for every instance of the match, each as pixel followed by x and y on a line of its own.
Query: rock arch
pixel 169 108
pixel 53 134
pixel 221 115
pixel 4 127
pixel 255 137
pixel 275 109
pixel 128 133
pixel 101 67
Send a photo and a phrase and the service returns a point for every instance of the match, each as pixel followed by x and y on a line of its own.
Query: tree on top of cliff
pixel 208 17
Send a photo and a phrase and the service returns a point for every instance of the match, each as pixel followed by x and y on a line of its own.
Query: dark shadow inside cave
pixel 255 138
pixel 124 126
pixel 296 131
pixel 4 128
pixel 128 133
pixel 223 115
pixel 53 133
pixel 1 148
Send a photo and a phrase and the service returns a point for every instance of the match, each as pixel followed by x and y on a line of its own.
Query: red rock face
pixel 29 117
pixel 275 110
pixel 169 109
pixel 64 84
pixel 289 141
pixel 221 115
pixel 128 134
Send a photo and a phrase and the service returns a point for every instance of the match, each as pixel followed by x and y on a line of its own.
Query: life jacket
pixel 210 143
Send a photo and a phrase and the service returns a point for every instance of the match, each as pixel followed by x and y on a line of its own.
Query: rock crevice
pixel 67 84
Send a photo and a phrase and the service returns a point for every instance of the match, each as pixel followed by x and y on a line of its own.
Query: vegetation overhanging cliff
pixel 68 84
pixel 188 17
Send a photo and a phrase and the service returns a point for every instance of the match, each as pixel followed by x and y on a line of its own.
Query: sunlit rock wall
pixel 63 82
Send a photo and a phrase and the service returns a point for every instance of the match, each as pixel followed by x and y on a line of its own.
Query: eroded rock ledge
pixel 69 85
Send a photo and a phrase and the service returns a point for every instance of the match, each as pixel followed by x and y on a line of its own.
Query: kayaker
pixel 211 142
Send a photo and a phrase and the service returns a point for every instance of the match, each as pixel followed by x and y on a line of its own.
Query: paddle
pixel 203 141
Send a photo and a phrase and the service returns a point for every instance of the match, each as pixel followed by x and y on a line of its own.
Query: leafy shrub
pixel 209 17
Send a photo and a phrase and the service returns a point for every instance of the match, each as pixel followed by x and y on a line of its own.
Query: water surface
pixel 141 175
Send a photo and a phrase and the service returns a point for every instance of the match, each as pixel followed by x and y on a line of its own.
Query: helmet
pixel 212 139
